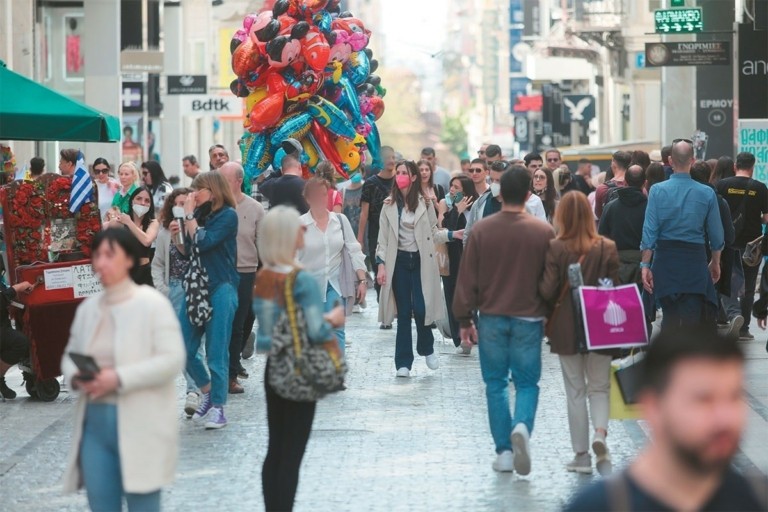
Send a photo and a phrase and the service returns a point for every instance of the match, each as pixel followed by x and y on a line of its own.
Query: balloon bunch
pixel 305 72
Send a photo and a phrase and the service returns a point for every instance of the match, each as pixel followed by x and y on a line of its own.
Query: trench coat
pixel 149 355
pixel 427 235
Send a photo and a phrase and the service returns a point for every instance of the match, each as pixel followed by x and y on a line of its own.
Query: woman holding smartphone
pixel 116 453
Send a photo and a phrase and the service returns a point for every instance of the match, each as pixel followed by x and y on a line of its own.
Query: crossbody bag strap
pixel 290 307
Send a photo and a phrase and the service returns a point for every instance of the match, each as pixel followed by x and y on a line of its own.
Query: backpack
pixel 613 192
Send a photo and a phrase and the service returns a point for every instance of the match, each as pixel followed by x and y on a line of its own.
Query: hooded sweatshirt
pixel 622 219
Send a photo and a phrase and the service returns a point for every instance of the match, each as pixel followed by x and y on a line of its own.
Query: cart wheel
pixel 29 384
pixel 48 389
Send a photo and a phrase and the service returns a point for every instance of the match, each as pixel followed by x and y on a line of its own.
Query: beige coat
pixel 149 354
pixel 427 235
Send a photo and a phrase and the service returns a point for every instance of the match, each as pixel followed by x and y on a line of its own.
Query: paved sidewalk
pixel 385 444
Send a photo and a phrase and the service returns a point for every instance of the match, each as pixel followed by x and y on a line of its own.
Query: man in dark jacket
pixel 622 222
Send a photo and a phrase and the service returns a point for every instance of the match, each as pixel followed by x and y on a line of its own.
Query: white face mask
pixel 178 212
pixel 495 189
pixel 140 210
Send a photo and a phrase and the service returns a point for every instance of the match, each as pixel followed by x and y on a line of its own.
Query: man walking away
pixel 619 164
pixel 507 252
pixel 288 189
pixel 748 201
pixel 682 214
pixel 693 401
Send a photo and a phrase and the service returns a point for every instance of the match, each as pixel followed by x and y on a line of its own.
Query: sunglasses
pixel 101 171
pixel 689 141
pixel 553 159
pixel 476 170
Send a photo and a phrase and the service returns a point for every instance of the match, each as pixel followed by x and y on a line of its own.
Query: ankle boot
pixel 5 391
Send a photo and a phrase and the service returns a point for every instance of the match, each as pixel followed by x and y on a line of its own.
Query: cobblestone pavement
pixel 384 444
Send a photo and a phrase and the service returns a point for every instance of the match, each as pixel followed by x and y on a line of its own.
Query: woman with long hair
pixel 407 270
pixel 457 205
pixel 125 442
pixel 128 176
pixel 107 185
pixel 326 237
pixel 723 169
pixel 586 374
pixel 169 267
pixel 143 226
pixel 155 180
pixel 432 192
pixel 281 237
pixel 544 187
pixel 210 223
pixel 327 172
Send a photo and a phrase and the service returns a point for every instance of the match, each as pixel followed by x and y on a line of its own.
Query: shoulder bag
pixel 299 370
pixel 196 289
pixel 563 292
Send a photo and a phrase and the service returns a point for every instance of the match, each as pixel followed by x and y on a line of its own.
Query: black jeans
pixel 239 334
pixel 290 424
pixel 449 290
pixel 14 346
pixel 747 301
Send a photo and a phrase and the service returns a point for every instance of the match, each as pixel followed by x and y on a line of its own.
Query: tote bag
pixel 614 317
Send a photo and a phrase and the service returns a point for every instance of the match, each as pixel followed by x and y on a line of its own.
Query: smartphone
pixel 458 197
pixel 86 364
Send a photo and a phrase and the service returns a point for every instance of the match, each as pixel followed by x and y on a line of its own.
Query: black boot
pixel 5 391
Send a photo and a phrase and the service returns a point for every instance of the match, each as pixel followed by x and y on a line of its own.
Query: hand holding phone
pixel 86 365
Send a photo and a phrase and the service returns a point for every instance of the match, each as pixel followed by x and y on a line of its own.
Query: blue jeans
pixel 100 464
pixel 218 332
pixel 332 296
pixel 507 345
pixel 409 297
pixel 244 305
pixel 176 296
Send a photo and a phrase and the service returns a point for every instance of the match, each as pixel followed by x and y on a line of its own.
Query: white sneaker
pixel 604 463
pixel 580 464
pixel 464 350
pixel 504 462
pixel 734 327
pixel 433 362
pixel 403 372
pixel 356 309
pixel 191 404
pixel 520 439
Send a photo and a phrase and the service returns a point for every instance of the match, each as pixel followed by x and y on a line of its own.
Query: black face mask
pixel 203 212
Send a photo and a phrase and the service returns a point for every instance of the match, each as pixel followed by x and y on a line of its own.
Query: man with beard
pixel 693 400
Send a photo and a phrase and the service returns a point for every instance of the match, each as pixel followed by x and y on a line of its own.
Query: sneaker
pixel 216 419
pixel 520 439
pixel 385 327
pixel 464 350
pixel 203 409
pixel 581 463
pixel 250 346
pixel 235 388
pixel 5 391
pixel 403 372
pixel 191 404
pixel 243 373
pixel 746 336
pixel 504 462
pixel 603 463
pixel 433 362
pixel 734 327
pixel 356 309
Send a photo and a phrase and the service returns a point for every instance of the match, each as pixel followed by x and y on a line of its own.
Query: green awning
pixel 30 111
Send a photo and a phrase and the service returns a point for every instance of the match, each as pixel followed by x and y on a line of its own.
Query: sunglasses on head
pixel 499 166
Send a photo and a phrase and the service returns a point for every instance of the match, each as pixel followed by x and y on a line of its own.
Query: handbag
pixel 348 276
pixel 563 292
pixel 299 370
pixel 626 376
pixel 614 316
pixel 196 290
pixel 753 252
pixel 443 260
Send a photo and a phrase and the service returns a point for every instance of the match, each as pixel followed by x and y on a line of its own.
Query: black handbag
pixel 196 290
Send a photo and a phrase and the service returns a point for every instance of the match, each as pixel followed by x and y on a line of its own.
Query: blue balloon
pixel 350 102
pixel 358 68
pixel 323 21
pixel 295 126
pixel 373 141
pixel 277 162
pixel 251 164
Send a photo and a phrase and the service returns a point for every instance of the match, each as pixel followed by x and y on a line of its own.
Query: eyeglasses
pixel 689 141
pixel 476 170
pixel 539 177
pixel 101 171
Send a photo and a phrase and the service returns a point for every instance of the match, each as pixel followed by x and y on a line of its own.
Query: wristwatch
pixel 190 216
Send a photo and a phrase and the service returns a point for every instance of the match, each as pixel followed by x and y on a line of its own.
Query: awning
pixel 30 111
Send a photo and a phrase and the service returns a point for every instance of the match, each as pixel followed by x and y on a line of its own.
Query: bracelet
pixel 645 264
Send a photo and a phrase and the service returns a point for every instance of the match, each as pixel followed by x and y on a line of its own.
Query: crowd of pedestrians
pixel 488 250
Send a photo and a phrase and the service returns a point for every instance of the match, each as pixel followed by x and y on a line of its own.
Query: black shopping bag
pixel 629 380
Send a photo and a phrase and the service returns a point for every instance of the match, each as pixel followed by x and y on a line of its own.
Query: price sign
pixel 679 21
pixel 85 281
pixel 58 278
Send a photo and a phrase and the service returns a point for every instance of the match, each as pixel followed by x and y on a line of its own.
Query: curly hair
pixel 166 213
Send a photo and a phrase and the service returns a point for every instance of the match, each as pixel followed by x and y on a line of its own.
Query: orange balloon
pixel 245 59
pixel 266 113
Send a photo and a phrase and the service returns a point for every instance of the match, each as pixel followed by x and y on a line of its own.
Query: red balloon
pixel 326 147
pixel 246 58
pixel 377 102
pixel 266 113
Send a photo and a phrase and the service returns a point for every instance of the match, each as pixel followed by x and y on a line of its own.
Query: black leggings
pixel 290 424
pixel 14 346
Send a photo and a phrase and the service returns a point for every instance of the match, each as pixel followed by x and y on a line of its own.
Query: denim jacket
pixel 218 247
pixel 269 303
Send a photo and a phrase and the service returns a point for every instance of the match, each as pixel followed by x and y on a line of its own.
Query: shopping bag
pixel 629 375
pixel 613 317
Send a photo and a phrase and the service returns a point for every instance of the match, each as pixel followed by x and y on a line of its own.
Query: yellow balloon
pixel 348 152
pixel 256 96
pixel 311 152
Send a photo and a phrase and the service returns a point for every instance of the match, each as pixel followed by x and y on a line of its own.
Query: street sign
pixel 133 97
pixel 640 60
pixel 212 105
pixel 148 61
pixel 753 137
pixel 693 53
pixel 578 108
pixel 679 21
pixel 521 129
pixel 678 3
pixel 187 84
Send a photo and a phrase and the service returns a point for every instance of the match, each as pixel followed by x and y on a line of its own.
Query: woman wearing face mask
pixel 125 440
pixel 407 269
pixel 169 266
pixel 457 205
pixel 107 186
pixel 155 180
pixel 544 187
pixel 210 223
pixel 434 194
pixel 142 225
pixel 326 236
pixel 128 176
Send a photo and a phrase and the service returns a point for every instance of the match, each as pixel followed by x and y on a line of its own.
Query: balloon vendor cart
pixel 49 246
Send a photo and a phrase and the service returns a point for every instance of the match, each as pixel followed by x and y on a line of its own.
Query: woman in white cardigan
pixel 125 442
pixel 407 268
pixel 325 237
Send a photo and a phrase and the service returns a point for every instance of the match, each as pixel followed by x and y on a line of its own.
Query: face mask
pixel 402 180
pixel 178 212
pixel 357 178
pixel 140 210
pixel 495 189
pixel 448 201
